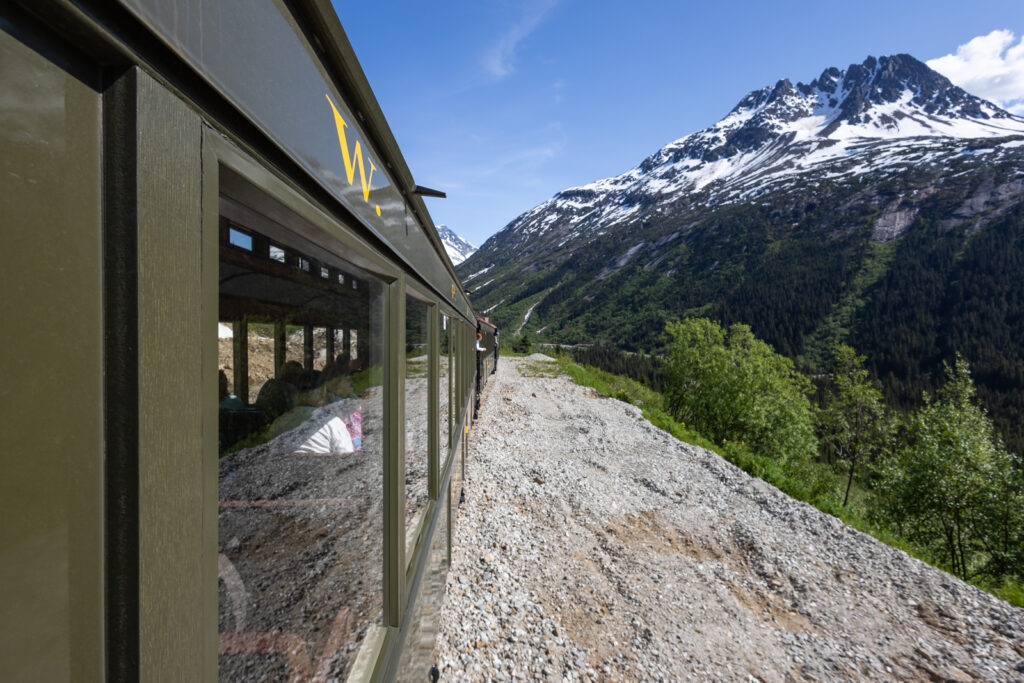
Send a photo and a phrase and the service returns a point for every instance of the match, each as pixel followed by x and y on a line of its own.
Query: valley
pixel 879 206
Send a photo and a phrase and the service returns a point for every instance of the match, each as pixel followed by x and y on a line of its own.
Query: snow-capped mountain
pixel 880 206
pixel 457 247
pixel 886 112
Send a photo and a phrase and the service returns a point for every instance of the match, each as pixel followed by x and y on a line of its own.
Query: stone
pixel 749 580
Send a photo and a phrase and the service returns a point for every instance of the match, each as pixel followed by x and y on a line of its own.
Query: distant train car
pixel 489 357
pixel 238 367
pixel 486 357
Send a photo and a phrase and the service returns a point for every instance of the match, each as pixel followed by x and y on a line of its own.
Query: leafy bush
pixel 953 488
pixel 853 423
pixel 733 387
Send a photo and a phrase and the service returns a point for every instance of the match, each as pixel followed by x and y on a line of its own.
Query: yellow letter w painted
pixel 355 158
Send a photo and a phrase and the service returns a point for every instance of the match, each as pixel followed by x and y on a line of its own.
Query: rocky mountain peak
pixel 826 82
pixel 870 117
pixel 817 213
pixel 458 248
pixel 897 87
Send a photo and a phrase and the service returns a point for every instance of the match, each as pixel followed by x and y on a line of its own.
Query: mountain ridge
pixel 783 130
pixel 805 212
pixel 457 247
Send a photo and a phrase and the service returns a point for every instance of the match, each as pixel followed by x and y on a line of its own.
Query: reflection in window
pixel 294 366
pixel 319 350
pixel 444 387
pixel 300 533
pixel 416 405
pixel 240 239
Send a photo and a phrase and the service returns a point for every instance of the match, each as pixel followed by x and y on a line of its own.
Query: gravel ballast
pixel 593 546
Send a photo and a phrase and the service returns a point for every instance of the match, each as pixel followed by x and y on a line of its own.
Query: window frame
pixel 414 542
pixel 337 236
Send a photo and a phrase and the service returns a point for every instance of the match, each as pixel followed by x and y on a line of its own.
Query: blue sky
pixel 502 104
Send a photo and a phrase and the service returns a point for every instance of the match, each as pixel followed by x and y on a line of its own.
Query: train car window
pixel 468 364
pixel 300 531
pixel 444 387
pixel 320 348
pixel 243 347
pixel 457 370
pixel 277 253
pixel 417 356
pixel 240 239
pixel 295 341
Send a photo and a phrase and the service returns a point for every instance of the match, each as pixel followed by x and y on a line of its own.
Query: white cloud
pixel 498 60
pixel 989 66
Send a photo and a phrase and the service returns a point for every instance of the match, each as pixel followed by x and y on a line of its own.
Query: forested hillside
pixel 895 226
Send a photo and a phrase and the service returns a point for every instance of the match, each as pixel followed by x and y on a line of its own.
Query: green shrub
pixel 733 387
pixel 523 344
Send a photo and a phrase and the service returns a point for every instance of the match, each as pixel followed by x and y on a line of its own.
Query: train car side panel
pixel 51 400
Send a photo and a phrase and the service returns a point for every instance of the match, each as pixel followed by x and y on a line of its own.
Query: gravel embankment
pixel 593 546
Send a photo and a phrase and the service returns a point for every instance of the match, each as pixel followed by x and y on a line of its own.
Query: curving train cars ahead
pixel 238 367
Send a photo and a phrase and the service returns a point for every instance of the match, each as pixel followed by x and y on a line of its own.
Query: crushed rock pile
pixel 593 546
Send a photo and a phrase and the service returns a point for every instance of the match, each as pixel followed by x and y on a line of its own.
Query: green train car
pixel 238 367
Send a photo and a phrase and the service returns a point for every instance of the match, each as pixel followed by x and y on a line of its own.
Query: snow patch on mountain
pixel 881 115
pixel 459 249
pixel 477 273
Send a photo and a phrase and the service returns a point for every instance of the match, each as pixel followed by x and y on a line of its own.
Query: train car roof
pixel 481 320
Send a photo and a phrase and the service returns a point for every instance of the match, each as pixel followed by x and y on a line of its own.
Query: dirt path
pixel 593 546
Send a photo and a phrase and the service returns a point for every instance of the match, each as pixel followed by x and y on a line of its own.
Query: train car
pixel 238 368
pixel 489 341
pixel 486 357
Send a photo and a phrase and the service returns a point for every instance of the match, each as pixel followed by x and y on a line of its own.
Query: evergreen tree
pixel 523 344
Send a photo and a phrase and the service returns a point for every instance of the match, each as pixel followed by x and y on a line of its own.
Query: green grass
pixel 616 386
pixel 415 368
pixel 1011 591
pixel 540 369
pixel 815 483
pixel 509 353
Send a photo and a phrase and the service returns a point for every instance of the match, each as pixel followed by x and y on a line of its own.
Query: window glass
pixel 240 239
pixel 319 348
pixel 444 388
pixel 295 336
pixel 300 533
pixel 417 364
pixel 466 351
